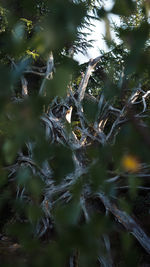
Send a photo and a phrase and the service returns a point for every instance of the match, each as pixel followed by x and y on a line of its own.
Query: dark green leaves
pixel 63 19
pixel 60 181
pixel 124 7
pixel 90 109
pixel 61 162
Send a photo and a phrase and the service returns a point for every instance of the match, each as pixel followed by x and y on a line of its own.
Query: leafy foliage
pixel 74 139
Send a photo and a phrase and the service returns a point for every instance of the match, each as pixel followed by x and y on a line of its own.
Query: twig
pixel 34 72
pixel 128 187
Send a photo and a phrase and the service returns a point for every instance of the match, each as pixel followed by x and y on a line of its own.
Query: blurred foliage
pixel 44 219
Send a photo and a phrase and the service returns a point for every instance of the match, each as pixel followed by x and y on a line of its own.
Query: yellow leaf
pixel 33 54
pixel 130 163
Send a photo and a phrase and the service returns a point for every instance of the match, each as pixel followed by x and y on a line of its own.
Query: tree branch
pixel 85 79
pixel 48 73
pixel 127 221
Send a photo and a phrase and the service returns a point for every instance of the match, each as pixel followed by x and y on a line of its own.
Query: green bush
pixel 74 139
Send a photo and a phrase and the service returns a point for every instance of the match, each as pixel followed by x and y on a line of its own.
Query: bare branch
pixel 34 72
pixel 85 79
pixel 48 73
pixel 24 86
pixel 127 221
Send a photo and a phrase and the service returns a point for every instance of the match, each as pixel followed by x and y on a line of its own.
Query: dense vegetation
pixel 74 139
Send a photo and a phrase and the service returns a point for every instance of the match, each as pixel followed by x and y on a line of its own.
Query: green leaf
pixel 124 7
pixel 10 151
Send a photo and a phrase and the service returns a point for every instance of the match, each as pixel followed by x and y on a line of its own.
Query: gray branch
pixel 48 73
